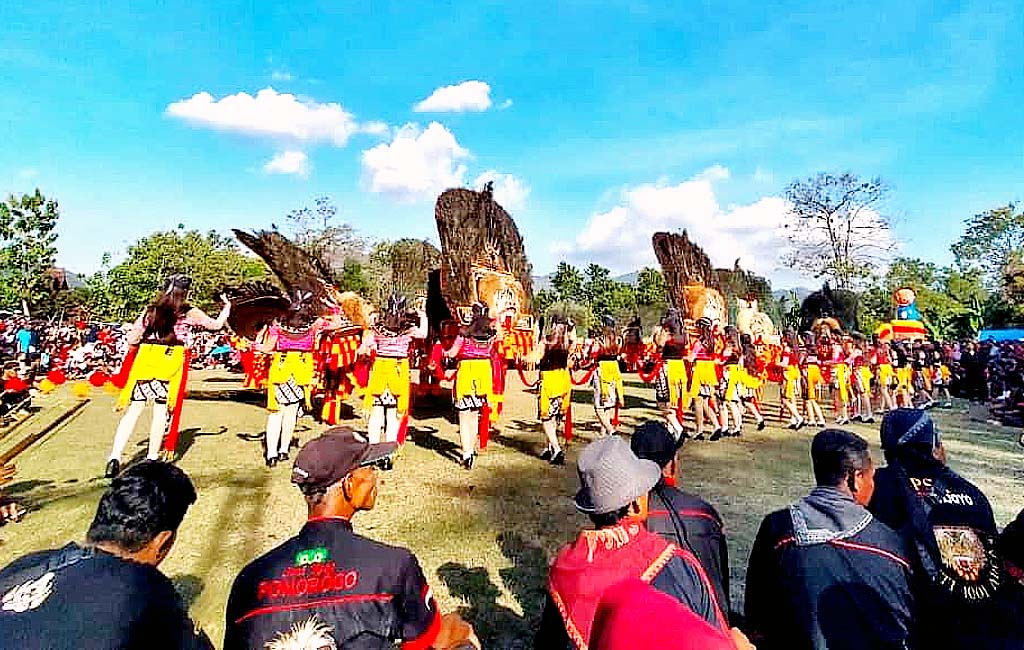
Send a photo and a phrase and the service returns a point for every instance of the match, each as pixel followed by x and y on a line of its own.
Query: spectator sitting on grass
pixel 330 586
pixel 824 573
pixel 684 519
pixel 614 491
pixel 108 592
pixel 948 526
pixel 9 510
pixel 13 390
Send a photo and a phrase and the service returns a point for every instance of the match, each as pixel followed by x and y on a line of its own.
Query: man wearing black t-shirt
pixel 108 592
pixel 328 587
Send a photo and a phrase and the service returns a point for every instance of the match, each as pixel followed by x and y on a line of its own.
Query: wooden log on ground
pixel 31 439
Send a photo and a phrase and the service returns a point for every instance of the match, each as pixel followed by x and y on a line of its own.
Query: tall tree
pixel 837 228
pixel 314 229
pixel 121 291
pixel 606 297
pixel 568 283
pixel 401 266
pixel 27 249
pixel 990 242
pixel 650 287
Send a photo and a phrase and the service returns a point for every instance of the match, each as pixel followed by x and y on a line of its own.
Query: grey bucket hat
pixel 612 477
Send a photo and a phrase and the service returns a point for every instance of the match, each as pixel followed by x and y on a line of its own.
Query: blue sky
pixel 599 121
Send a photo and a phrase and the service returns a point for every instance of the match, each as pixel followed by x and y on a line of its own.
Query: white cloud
pixel 763 176
pixel 375 127
pixel 288 162
pixel 281 75
pixel 269 114
pixel 505 104
pixel 620 238
pixel 417 164
pixel 27 174
pixel 466 96
pixel 509 191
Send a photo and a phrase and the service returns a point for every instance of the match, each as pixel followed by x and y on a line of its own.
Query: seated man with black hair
pixel 824 573
pixel 684 519
pixel 328 587
pixel 108 592
pixel 615 484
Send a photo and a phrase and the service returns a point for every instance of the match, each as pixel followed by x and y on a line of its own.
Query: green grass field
pixel 484 537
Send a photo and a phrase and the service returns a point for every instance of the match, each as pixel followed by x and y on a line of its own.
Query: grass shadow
pixel 187 438
pixel 495 625
pixel 433 406
pixel 527 447
pixel 22 487
pixel 528 575
pixel 43 495
pixel 243 396
pixel 426 437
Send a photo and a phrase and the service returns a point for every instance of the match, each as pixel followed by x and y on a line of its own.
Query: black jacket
pixel 957 571
pixel 698 528
pixel 77 597
pixel 850 592
pixel 359 593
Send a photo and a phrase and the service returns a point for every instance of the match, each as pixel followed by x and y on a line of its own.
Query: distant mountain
pixel 801 293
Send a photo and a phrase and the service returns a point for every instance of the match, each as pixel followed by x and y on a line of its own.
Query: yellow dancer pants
pixel 391 375
pixel 554 383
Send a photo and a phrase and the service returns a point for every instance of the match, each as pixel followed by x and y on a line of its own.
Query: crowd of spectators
pixel 905 556
pixel 35 347
pixel 992 373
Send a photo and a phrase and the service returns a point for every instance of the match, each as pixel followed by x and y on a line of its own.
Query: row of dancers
pixel 719 375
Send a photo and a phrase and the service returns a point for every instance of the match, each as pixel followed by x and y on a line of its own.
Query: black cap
pixel 326 460
pixel 653 441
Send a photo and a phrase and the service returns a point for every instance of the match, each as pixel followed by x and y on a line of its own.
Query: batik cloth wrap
pixel 607 385
pixel 291 375
pixel 673 383
pixel 156 374
pixel 704 379
pixel 555 395
pixel 474 384
pixel 389 384
pixel 814 380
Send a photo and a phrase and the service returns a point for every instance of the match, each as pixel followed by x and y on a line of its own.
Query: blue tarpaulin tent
pixel 1014 334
